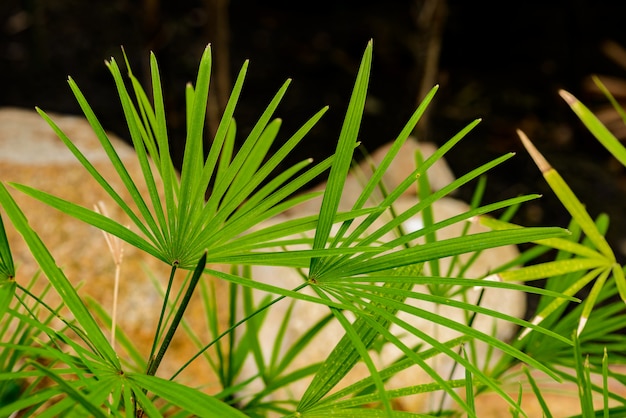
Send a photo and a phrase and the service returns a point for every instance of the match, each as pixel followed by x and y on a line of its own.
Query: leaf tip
pixel 537 157
pixel 568 97
pixel 581 325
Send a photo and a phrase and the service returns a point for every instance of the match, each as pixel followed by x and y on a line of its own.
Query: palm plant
pixel 213 213
pixel 584 259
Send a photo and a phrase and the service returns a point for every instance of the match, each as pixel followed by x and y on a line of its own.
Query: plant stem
pixel 233 327
pixel 197 273
pixel 116 288
pixel 158 328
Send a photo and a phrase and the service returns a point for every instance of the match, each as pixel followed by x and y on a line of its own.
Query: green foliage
pixel 215 211
pixel 583 258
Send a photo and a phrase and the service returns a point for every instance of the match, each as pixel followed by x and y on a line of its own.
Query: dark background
pixel 501 61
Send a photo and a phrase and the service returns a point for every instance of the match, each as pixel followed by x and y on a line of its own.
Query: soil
pixel 500 61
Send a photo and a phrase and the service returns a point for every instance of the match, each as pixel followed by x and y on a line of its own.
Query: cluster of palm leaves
pixel 203 216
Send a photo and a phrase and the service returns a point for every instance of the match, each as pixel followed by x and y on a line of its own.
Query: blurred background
pixel 500 61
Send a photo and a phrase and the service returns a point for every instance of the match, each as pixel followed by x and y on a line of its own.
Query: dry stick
pixel 430 22
pixel 218 32
pixel 117 252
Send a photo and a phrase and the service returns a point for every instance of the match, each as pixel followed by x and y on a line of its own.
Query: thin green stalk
pixel 157 333
pixel 232 317
pixel 537 391
pixel 232 328
pixel 470 323
pixel 152 368
pixel 469 387
pixel 605 383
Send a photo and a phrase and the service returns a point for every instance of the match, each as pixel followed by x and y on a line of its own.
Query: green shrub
pixel 355 273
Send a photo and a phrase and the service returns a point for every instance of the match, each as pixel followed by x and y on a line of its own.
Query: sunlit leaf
pixel 343 157
pixel 58 279
pixel 191 400
pixel 568 199
pixel 596 127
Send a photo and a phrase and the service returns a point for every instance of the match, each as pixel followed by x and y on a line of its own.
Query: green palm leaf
pixel 191 400
pixel 605 258
pixel 58 280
